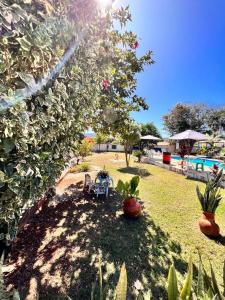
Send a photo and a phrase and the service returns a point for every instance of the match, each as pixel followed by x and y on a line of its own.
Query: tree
pixel 183 117
pixel 150 129
pixel 130 135
pixel 216 121
pixel 101 138
pixel 83 49
pixel 84 148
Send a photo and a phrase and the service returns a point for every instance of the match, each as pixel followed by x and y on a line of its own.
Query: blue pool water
pixel 207 162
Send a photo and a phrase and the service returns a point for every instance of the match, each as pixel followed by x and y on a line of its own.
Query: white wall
pixel 111 148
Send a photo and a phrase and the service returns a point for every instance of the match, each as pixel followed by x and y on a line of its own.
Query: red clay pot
pixel 131 207
pixel 208 225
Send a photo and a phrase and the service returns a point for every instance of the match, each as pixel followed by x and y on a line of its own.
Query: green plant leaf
pixel 186 290
pixel 24 43
pixel 121 289
pixel 200 283
pixel 215 284
pixel 100 281
pixel 172 288
pixel 120 186
pixel 27 78
pixel 134 184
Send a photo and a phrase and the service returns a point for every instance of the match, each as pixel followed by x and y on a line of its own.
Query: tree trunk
pixel 126 149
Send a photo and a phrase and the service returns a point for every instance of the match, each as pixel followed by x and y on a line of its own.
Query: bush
pixel 84 167
pixel 138 154
pixel 222 152
pixel 84 148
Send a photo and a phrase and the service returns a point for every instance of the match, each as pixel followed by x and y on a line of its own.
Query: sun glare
pixel 105 3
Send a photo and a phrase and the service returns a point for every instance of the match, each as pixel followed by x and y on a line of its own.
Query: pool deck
pixel 188 171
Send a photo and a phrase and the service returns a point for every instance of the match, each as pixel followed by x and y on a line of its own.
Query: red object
pixel 167 158
pixel 105 84
pixel 208 225
pixel 215 169
pixel 136 44
pixel 182 163
pixel 132 207
pixel 88 139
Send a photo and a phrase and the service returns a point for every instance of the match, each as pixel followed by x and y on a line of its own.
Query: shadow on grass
pixel 135 171
pixel 58 250
pixel 218 240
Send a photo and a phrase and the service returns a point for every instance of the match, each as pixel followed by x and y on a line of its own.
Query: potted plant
pixel 129 193
pixel 210 200
pixel 103 174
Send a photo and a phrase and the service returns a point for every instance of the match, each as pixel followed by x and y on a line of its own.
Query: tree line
pixel 197 117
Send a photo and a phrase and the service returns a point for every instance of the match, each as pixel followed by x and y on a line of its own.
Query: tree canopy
pixel 150 129
pixel 184 116
pixel 216 121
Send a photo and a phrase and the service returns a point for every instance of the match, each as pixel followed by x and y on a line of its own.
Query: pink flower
pixel 136 44
pixel 105 84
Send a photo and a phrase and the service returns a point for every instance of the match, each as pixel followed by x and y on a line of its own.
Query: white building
pixel 108 147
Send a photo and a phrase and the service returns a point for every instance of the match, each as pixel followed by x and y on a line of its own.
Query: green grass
pixel 171 202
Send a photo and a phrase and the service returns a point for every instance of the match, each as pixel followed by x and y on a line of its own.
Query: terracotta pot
pixel 208 225
pixel 131 207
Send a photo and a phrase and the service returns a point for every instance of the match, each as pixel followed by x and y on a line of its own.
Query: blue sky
pixel 188 41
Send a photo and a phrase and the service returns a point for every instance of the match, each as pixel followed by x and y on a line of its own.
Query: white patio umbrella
pixel 150 138
pixel 189 135
pixel 188 138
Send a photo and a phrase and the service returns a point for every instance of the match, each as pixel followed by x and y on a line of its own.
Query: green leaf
pixel 200 283
pixel 100 281
pixel 16 295
pixel 24 43
pixel 134 184
pixel 121 289
pixel 2 179
pixel 172 288
pixel 214 284
pixel 186 290
pixel 120 186
pixel 8 145
pixel 27 78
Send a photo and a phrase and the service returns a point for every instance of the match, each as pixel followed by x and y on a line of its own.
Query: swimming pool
pixel 207 161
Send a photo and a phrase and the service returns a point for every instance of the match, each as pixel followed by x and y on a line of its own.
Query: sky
pixel 187 38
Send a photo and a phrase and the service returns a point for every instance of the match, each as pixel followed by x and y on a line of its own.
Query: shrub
pixel 222 152
pixel 138 154
pixel 84 148
pixel 83 167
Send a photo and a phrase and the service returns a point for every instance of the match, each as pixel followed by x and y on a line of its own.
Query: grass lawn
pixel 57 252
pixel 171 202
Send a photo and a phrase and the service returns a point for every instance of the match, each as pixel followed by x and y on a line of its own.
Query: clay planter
pixel 131 207
pixel 208 225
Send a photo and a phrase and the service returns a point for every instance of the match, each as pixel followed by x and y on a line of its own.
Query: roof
pixel 89 139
